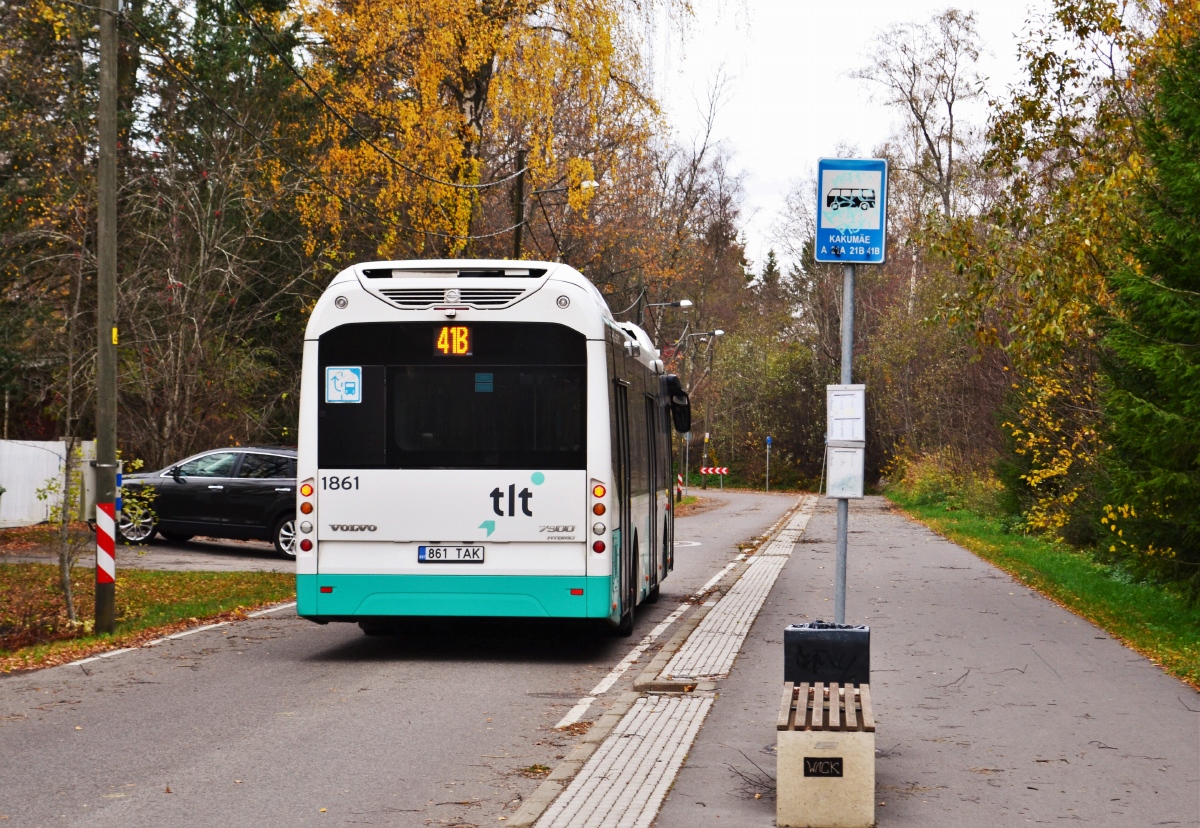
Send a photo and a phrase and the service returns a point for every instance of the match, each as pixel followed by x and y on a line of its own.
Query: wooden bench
pixel 845 707
pixel 825 756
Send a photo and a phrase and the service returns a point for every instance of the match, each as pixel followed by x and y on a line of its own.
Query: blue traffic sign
pixel 852 213
pixel 768 441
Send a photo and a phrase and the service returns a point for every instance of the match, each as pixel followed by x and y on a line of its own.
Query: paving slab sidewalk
pixel 994 705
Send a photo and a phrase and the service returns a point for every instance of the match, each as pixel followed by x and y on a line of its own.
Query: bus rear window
pixel 517 401
pixel 490 417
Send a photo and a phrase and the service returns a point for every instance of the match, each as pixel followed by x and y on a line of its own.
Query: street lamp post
pixel 704 336
pixel 680 303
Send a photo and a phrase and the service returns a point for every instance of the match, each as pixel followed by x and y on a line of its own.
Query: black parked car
pixel 245 493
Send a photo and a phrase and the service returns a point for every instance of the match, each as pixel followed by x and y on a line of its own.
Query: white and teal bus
pixel 480 438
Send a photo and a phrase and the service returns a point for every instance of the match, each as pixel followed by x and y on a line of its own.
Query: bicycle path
pixel 994 706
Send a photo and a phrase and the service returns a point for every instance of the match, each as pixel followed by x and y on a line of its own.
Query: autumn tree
pixel 1151 395
pixel 425 105
pixel 928 72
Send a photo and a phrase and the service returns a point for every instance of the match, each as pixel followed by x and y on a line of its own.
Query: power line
pixel 183 76
pixel 346 122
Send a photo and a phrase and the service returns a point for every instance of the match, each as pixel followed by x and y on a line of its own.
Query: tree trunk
pixel 64 531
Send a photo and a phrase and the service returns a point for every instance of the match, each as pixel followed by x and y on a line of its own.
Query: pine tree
pixel 1152 340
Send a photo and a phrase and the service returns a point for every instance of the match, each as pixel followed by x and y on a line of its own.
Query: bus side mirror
pixel 681 405
pixel 681 413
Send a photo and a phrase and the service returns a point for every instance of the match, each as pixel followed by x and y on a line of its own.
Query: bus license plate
pixel 449 554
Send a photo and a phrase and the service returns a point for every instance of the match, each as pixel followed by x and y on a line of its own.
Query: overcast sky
pixel 789 96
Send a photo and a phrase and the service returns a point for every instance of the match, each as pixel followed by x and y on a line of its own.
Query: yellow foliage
pixel 1055 430
pixel 450 89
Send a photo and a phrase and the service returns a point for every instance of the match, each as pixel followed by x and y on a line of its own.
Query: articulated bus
pixel 480 438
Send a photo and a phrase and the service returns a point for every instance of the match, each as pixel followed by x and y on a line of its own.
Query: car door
pixel 194 499
pixel 263 482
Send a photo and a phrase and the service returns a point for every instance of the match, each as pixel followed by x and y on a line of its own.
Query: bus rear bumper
pixel 353 597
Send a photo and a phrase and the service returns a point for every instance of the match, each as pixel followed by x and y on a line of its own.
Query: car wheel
pixel 284 537
pixel 175 537
pixel 134 530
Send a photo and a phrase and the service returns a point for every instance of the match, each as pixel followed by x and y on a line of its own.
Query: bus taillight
pixel 306 508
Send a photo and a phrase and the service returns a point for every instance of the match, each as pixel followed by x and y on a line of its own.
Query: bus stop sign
pixel 852 210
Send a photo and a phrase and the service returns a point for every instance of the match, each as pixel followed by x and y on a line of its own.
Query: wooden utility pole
pixel 106 328
pixel 519 205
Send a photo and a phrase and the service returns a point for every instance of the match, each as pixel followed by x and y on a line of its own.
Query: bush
pixel 941 478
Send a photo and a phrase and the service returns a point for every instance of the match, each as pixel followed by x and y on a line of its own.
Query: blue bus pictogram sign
pixel 852 210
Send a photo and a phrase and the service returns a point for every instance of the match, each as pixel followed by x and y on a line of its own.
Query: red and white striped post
pixel 106 544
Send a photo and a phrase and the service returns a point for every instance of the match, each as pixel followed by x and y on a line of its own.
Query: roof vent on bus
pixel 417 298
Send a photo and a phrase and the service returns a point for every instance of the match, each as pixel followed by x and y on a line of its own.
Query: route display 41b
pixel 852 210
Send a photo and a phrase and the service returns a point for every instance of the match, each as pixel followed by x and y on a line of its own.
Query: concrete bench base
pixel 825 765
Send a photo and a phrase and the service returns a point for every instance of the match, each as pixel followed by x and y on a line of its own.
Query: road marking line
pixel 625 781
pixel 606 683
pixel 270 610
pixel 196 630
pixel 712 582
pixel 116 652
pixel 155 642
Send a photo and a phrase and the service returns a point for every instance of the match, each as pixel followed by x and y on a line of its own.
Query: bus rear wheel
pixel 629 603
pixel 625 628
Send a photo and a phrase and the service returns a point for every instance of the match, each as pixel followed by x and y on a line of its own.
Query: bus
pixel 484 439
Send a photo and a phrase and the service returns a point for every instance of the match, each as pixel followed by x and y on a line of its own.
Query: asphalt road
pixel 276 721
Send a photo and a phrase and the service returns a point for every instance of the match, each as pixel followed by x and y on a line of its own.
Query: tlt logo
pixel 524 496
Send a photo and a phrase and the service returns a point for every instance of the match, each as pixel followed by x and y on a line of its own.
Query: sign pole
pixel 687 472
pixel 851 228
pixel 106 326
pixel 768 464
pixel 843 504
pixel 519 205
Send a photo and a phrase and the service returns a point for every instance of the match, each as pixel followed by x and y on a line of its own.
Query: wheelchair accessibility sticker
pixel 343 385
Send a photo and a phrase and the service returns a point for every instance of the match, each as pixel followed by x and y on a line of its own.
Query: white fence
pixel 25 467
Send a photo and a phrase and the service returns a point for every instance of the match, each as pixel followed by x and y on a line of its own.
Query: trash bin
pixel 827 652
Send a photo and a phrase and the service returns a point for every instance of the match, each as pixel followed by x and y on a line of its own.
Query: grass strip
pixel 1157 623
pixel 35 631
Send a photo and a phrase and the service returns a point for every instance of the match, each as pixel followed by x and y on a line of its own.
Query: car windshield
pixel 210 465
